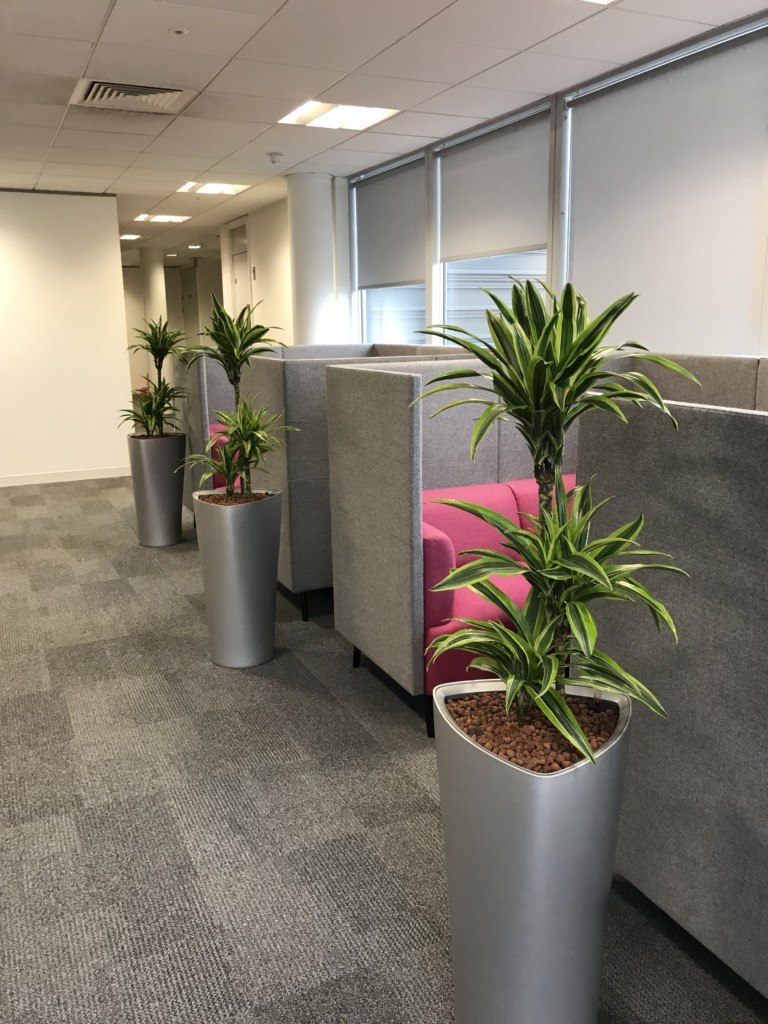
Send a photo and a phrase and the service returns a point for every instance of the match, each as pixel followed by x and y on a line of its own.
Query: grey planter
pixel 239 547
pixel 157 488
pixel 529 860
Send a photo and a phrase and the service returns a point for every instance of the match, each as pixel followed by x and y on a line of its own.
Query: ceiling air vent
pixel 151 99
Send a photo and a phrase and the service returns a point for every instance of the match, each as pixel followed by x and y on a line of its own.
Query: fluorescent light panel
pixel 603 3
pixel 161 218
pixel 314 114
pixel 213 188
pixel 129 238
pixel 194 247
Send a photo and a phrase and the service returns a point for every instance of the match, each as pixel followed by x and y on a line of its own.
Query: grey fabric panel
pixel 729 381
pixel 220 393
pixel 375 475
pixel 402 349
pixel 195 425
pixel 761 399
pixel 694 834
pixel 326 352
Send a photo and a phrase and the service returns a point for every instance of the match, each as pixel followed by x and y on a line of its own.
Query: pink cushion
pixel 464 529
pixel 219 431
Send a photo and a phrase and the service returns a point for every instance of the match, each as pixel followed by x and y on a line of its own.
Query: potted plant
pixel 154 454
pixel 238 529
pixel 531 764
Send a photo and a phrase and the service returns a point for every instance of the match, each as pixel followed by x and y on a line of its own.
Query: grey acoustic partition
pixel 384 451
pixel 730 381
pixel 694 834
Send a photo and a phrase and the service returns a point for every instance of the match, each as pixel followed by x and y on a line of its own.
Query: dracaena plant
pixel 250 435
pixel 154 409
pixel 545 369
pixel 554 635
pixel 236 340
pixel 160 341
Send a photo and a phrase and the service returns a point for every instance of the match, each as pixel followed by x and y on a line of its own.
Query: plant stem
pixel 544 473
pixel 236 386
pixel 523 704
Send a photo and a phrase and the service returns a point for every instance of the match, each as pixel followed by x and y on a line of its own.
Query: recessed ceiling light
pixel 603 3
pixel 335 115
pixel 129 238
pixel 213 188
pixel 194 247
pixel 162 218
pixel 171 254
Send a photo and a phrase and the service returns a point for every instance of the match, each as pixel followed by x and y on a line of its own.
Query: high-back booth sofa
pixel 292 381
pixel 385 452
pixel 694 831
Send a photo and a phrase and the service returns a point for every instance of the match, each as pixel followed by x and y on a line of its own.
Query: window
pixel 466 303
pixel 392 315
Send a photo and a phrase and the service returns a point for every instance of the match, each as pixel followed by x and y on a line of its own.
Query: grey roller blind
pixel 669 200
pixel 494 192
pixel 391 216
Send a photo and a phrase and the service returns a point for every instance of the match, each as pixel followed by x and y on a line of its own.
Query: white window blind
pixel 669 200
pixel 495 192
pixel 391 215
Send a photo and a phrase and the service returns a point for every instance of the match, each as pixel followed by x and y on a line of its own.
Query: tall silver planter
pixel 239 547
pixel 529 860
pixel 157 488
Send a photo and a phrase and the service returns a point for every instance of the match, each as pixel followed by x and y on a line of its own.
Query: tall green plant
pixel 546 369
pixel 236 340
pixel 155 408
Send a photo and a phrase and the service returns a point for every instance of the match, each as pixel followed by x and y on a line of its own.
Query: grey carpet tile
pixel 186 844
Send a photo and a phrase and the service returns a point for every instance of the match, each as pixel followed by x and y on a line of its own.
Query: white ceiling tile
pixel 17 179
pixel 317 42
pixel 710 12
pixel 120 141
pixel 379 91
pixel 209 149
pixel 540 72
pixel 398 15
pixel 120 121
pixel 67 184
pixel 515 24
pixel 75 19
pixel 26 135
pixel 229 107
pixel 61 169
pixel 421 57
pixel 22 151
pixel 437 125
pixel 28 88
pixel 264 7
pixel 21 166
pixel 181 165
pixel 214 174
pixel 166 175
pixel 254 163
pixel 42 114
pixel 147 22
pixel 348 158
pixel 94 157
pixel 139 65
pixel 620 36
pixel 256 78
pixel 470 102
pixel 57 56
pixel 201 129
pixel 300 137
pixel 185 205
pixel 383 144
pixel 128 185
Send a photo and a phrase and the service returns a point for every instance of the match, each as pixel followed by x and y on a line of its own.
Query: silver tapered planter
pixel 157 488
pixel 529 861
pixel 239 547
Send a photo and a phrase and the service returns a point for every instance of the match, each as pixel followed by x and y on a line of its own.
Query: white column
pixel 153 282
pixel 311 227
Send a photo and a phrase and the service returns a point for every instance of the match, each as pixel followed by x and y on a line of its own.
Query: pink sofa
pixel 447 531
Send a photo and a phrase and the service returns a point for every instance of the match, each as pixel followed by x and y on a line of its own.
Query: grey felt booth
pixel 209 391
pixel 730 381
pixel 694 833
pixel 383 452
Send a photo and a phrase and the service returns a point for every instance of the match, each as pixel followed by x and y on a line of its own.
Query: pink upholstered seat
pixel 446 532
pixel 220 433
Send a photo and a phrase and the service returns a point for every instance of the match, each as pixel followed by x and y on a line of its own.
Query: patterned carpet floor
pixel 185 844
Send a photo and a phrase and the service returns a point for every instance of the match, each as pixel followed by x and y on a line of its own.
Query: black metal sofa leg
pixel 357 655
pixel 304 605
pixel 429 715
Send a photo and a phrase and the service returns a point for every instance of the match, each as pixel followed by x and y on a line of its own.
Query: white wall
pixel 269 247
pixel 63 355
pixel 134 317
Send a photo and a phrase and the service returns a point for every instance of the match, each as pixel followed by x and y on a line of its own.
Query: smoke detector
pixel 151 99
pixel 275 158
